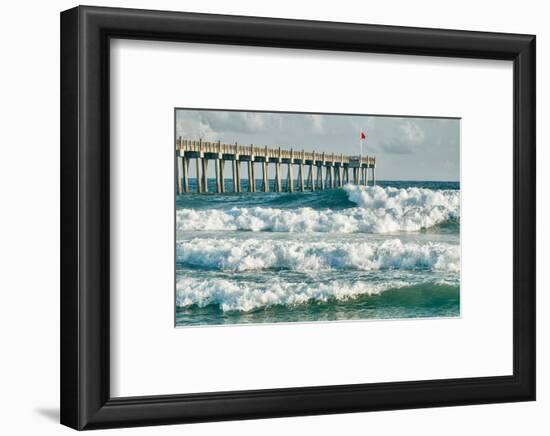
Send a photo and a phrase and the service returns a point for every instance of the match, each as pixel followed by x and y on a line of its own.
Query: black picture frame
pixel 85 399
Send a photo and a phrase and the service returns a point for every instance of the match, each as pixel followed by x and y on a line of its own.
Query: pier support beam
pixel 317 175
pixel 373 178
pixel 310 183
pixel 199 181
pixel 204 174
pixel 264 175
pixel 301 177
pixel 234 174
pixel 217 168
pixel 278 182
pixel 253 177
pixel 289 183
pixel 238 167
pixel 185 170
pixel 249 165
pixel 178 174
pixel 222 175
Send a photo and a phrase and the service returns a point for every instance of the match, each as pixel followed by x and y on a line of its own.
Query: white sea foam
pixel 245 296
pixel 305 256
pixel 379 210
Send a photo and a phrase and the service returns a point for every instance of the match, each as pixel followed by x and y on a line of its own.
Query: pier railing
pixel 334 166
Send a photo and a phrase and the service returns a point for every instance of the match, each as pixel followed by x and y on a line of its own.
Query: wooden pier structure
pixel 324 170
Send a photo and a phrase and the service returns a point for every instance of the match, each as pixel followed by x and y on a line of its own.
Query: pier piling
pixel 278 184
pixel 178 174
pixel 265 185
pixel 302 185
pixel 289 186
pixel 250 179
pixel 199 180
pixel 218 184
pixel 185 171
pixel 234 174
pixel 204 174
pixel 310 183
pixel 222 175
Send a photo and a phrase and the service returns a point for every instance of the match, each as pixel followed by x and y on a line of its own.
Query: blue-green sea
pixel 359 252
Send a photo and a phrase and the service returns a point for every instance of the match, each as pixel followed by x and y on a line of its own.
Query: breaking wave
pixel 234 254
pixel 241 296
pixel 377 210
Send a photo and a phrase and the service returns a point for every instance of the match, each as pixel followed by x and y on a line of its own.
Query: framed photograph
pixel 308 235
pixel 266 217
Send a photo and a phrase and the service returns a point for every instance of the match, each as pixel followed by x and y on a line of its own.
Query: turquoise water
pixel 383 252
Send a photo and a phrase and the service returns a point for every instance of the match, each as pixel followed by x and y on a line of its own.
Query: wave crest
pixel 303 256
pixel 379 210
pixel 245 296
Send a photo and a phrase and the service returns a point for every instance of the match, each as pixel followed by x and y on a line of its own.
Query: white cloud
pixel 411 133
pixel 405 148
pixel 400 136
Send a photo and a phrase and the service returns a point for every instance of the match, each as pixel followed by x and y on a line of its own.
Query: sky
pixel 405 148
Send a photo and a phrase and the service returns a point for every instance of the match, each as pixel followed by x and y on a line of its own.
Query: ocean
pixel 356 253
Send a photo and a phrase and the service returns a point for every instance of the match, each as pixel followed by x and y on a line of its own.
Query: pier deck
pixel 325 170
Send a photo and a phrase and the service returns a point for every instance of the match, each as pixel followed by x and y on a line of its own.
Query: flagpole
pixel 360 169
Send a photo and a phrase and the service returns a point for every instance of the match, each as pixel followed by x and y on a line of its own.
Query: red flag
pixel 363 136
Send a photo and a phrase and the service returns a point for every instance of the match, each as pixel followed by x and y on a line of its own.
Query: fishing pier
pixel 324 170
